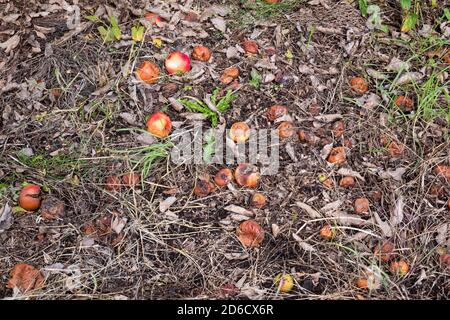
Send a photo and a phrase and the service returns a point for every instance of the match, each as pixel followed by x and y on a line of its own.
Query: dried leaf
pixel 409 77
pixel 6 218
pixel 397 65
pixel 397 213
pixel 118 223
pixel 351 173
pixel 166 203
pixel 305 246
pixel 10 44
pixel 314 214
pixel 442 234
pixel 384 226
pixel 394 174
pixel 25 277
pixel 239 210
pixel 219 23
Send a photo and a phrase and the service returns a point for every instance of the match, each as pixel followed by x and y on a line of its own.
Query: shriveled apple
pixel 148 72
pixel 347 182
pixel 229 75
pixel 275 112
pixel 338 128
pixel 442 171
pixel 359 85
pixel 201 53
pixel 384 251
pixel 250 233
pixel 361 205
pixel 258 200
pixel 247 175
pixel 404 103
pixel 159 124
pixel 223 177
pixel 203 187
pixel 112 183
pixel 327 232
pixel 400 267
pixel 362 283
pixel 284 283
pixel 178 63
pixel 240 132
pixel 29 197
pixel 337 155
pixel 250 46
pixel 285 130
pixel 131 179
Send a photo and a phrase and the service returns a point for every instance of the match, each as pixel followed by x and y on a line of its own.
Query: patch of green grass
pixel 251 11
pixel 221 104
pixel 50 164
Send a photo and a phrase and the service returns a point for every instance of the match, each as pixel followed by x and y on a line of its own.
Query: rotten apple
pixel 148 72
pixel 247 175
pixel 201 53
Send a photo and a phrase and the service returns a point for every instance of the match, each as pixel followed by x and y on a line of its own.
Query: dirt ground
pixel 72 114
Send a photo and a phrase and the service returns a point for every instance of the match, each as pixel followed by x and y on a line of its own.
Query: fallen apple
pixel 361 205
pixel 384 251
pixel 148 72
pixel 203 187
pixel 327 232
pixel 396 149
pixel 240 132
pixel 445 258
pixel 258 200
pixel 400 267
pixel 442 171
pixel 338 128
pixel 347 182
pixel 337 155
pixel 404 103
pixel 285 130
pixel 229 75
pixel 359 85
pixel 131 179
pixel 29 197
pixel 223 177
pixel 201 53
pixel 283 283
pixel 159 124
pixel 362 283
pixel 152 17
pixel 228 290
pixel 247 175
pixel 250 233
pixel 177 63
pixel 308 137
pixel 275 112
pixel 250 46
pixel 112 183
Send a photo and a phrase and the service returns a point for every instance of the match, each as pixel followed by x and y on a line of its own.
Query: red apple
pixel 148 72
pixel 177 62
pixel 159 124
pixel 152 17
pixel 29 197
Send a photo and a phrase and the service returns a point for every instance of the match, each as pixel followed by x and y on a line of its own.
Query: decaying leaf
pixel 314 214
pixel 25 277
pixel 384 226
pixel 304 245
pixel 10 44
pixel 239 210
pixel 351 173
pixel 397 212
pixel 166 203
pixel 219 23
pixel 6 218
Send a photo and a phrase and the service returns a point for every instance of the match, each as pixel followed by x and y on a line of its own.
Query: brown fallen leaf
pixel 25 277
pixel 52 208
